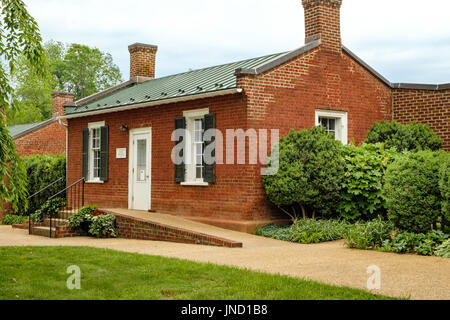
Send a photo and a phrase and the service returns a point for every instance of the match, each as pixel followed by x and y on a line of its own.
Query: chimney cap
pixel 62 93
pixel 142 45
pixel 333 3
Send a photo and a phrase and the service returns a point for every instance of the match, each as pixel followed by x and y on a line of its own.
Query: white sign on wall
pixel 121 153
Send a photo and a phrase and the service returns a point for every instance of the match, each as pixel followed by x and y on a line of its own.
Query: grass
pixel 40 273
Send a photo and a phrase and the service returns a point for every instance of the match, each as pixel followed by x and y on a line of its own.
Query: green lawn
pixel 40 273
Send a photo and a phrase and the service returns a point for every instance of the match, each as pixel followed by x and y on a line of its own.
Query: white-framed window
pixel 195 146
pixel 94 151
pixel 335 122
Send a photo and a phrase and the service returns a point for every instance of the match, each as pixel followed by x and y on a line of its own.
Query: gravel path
pixel 401 275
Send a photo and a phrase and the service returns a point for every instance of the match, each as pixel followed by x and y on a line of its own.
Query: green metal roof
pixel 21 129
pixel 184 84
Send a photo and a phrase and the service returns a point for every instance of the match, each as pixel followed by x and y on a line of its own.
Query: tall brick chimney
pixel 323 20
pixel 60 98
pixel 142 60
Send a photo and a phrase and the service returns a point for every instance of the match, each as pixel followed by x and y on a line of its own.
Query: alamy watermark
pixel 232 150
pixel 374 280
pixel 74 280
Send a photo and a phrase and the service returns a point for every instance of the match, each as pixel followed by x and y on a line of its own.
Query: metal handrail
pixel 74 195
pixel 67 188
pixel 34 195
pixel 42 190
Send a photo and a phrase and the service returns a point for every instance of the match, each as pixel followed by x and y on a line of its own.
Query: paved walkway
pixel 402 275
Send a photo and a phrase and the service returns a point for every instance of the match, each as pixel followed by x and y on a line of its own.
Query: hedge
pixel 411 137
pixel 412 191
pixel 42 170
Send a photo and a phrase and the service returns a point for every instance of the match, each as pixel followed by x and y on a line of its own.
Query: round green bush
pixel 362 196
pixel 412 193
pixel 444 185
pixel 310 174
pixel 411 137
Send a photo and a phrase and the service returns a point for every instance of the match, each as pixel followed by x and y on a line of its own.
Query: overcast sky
pixel 405 40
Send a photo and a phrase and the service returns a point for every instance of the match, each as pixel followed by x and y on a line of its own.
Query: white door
pixel 140 169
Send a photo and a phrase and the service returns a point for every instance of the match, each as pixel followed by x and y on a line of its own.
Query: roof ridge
pixel 219 65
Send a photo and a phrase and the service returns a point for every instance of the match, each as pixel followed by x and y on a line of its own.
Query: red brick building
pixel 47 137
pixel 121 140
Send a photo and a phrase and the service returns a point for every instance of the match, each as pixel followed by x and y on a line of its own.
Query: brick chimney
pixel 60 98
pixel 323 20
pixel 142 60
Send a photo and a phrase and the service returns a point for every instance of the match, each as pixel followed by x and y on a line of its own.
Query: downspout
pixel 67 146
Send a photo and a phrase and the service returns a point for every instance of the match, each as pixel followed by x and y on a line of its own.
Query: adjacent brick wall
pixel 135 228
pixel 49 139
pixel 427 107
pixel 142 60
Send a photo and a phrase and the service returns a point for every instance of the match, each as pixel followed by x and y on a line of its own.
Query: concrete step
pixel 43 231
pixel 55 222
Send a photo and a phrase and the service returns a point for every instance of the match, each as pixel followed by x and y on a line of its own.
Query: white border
pixel 130 165
pixel 340 115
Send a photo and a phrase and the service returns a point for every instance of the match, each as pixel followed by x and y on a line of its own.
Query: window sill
pixel 195 184
pixel 95 182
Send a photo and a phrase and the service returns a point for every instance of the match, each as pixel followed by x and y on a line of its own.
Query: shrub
pixel 103 226
pixel 52 207
pixel 10 219
pixel 412 192
pixel 94 222
pixel 443 250
pixel 42 170
pixel 306 231
pixel 310 174
pixel 411 137
pixel 407 242
pixel 275 231
pixel 368 235
pixel 81 220
pixel 362 195
pixel 444 186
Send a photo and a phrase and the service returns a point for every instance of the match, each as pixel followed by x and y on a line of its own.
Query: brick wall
pixel 49 139
pixel 228 199
pixel 427 107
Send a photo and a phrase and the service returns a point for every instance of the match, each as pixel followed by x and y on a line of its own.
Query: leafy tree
pixel 85 71
pixel 19 35
pixel 310 174
pixel 411 137
pixel 75 68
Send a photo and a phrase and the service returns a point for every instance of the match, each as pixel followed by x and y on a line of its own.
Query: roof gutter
pixel 154 103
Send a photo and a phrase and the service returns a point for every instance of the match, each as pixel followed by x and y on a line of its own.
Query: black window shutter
pixel 85 154
pixel 104 150
pixel 209 170
pixel 180 169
